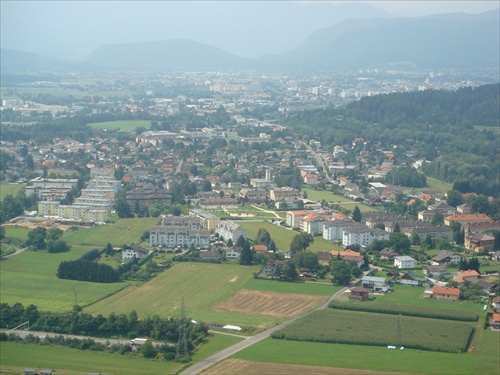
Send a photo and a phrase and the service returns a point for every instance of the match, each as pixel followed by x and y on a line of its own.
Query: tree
pixel 341 273
pixel 57 246
pixel 437 219
pixel 415 238
pixel 356 214
pixel 2 232
pixel 309 261
pixel 397 229
pixel 123 208
pixel 289 271
pixel 36 238
pixel 145 236
pixel 148 350
pixel 400 242
pixel 246 257
pixel 474 264
pixel 240 241
pixel 301 242
pixel 54 234
pixel 30 165
pixel 272 246
pixel 454 198
pixel 380 226
pixel 262 237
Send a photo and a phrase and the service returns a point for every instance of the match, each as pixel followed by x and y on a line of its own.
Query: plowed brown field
pixel 282 305
pixel 242 367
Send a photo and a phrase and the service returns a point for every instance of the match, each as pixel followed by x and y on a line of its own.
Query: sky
pixel 249 28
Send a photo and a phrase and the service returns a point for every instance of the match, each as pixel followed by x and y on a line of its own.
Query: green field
pixel 15 357
pixel 201 285
pixel 123 232
pixel 354 327
pixel 19 233
pixel 483 360
pixel 122 124
pixel 9 189
pixel 283 237
pixel 318 195
pixel 314 289
pixel 216 343
pixel 441 186
pixel 30 278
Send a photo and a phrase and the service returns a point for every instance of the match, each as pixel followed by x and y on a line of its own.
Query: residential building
pixel 358 293
pixel 230 230
pixel 404 262
pixel 253 195
pixel 409 278
pixel 294 218
pixel 436 271
pixel 363 236
pixel 312 223
pixel 466 275
pixel 272 267
pixel 479 242
pixel 466 218
pixel 208 221
pixel 143 196
pixel 375 283
pixel 285 194
pixel 445 257
pixel 442 292
pixel 233 253
pixel 178 236
pixel 134 251
pixel 334 230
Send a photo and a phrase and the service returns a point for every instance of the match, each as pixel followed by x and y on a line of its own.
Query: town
pixel 201 171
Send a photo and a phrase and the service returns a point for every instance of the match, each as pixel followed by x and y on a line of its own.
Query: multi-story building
pixel 363 236
pixel 334 230
pixel 142 196
pixel 285 194
pixel 178 236
pixel 229 230
pixel 189 222
pixel 208 221
pixel 253 195
pixel 404 262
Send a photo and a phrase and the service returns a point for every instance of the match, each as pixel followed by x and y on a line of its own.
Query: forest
pixel 457 131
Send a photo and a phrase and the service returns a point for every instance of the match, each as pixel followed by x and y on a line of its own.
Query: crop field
pixel 407 310
pixel 30 278
pixel 9 189
pixel 201 285
pixel 121 124
pixel 353 327
pixel 283 237
pixel 240 366
pixel 314 289
pixel 123 232
pixel 483 360
pixel 279 305
pixel 15 357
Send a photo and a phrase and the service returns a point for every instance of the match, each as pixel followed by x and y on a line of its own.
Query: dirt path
pixel 268 211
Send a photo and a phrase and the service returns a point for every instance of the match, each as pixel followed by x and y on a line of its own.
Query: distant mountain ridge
pixel 436 42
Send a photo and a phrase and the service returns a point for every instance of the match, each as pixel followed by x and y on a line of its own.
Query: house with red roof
pixel 495 321
pixel 466 218
pixel 442 292
pixel 466 275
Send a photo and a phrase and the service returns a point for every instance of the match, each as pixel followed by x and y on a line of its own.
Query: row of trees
pixel 40 238
pixel 113 325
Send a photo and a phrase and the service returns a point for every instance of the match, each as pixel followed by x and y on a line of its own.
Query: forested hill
pixel 457 130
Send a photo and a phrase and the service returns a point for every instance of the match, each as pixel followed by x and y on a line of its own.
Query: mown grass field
pixel 15 357
pixel 441 186
pixel 318 195
pixel 9 189
pixel 215 343
pixel 354 327
pixel 283 237
pixel 30 278
pixel 201 285
pixel 121 124
pixel 19 233
pixel 123 232
pixel 314 289
pixel 483 360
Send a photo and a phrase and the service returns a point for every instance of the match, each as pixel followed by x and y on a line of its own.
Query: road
pixel 210 361
pixel 42 335
pixel 18 251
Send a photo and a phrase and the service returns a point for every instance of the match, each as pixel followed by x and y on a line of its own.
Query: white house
pixel 135 251
pixel 233 253
pixel 229 230
pixel 405 262
pixel 375 283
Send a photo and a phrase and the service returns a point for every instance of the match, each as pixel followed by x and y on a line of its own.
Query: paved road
pixel 42 335
pixel 206 363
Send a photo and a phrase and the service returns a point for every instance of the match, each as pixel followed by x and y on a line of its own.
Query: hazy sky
pixel 246 28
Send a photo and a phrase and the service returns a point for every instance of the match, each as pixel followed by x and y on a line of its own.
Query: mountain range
pixel 462 41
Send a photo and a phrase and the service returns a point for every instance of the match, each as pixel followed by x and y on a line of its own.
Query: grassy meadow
pixel 121 124
pixel 15 357
pixel 30 278
pixel 200 285
pixel 318 195
pixel 483 360
pixel 283 237
pixel 9 189
pixel 441 186
pixel 124 231
pixel 314 289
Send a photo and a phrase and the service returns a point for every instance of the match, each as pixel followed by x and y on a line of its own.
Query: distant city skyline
pixel 72 29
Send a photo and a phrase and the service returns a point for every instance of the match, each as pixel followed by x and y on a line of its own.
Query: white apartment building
pixel 229 230
pixel 405 262
pixel 363 236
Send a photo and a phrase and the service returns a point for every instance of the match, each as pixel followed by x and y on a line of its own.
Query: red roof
pixel 468 217
pixel 467 273
pixel 446 290
pixel 260 247
pixel 496 317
